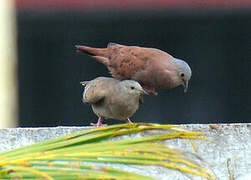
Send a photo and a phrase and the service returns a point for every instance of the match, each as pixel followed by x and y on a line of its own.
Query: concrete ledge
pixel 228 153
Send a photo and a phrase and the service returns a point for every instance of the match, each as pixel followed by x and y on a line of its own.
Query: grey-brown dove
pixel 151 67
pixel 113 99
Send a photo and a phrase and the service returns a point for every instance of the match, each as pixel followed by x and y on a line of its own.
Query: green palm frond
pixel 70 157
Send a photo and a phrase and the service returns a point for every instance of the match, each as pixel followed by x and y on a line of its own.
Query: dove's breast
pixel 125 109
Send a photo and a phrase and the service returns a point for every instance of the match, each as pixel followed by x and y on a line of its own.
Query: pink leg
pixel 99 123
pixel 129 121
pixel 150 90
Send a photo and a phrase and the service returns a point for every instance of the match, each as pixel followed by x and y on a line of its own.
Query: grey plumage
pixel 113 99
pixel 184 71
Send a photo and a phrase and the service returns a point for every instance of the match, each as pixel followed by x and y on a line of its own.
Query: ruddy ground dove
pixel 152 68
pixel 113 99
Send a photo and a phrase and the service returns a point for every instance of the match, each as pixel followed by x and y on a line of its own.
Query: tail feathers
pixel 84 83
pixel 92 51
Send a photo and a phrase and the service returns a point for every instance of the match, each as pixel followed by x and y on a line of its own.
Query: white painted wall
pixel 8 65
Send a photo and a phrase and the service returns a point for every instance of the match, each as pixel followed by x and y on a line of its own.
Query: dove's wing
pixel 92 97
pixel 98 89
pixel 130 62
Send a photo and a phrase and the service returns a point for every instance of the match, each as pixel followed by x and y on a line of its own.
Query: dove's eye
pixel 182 74
pixel 132 87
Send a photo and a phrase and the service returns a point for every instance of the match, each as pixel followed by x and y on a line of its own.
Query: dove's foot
pixel 129 121
pixel 99 123
pixel 150 90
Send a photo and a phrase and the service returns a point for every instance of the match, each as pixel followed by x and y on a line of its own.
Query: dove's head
pixel 132 87
pixel 184 72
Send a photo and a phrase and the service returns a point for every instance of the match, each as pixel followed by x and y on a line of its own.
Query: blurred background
pixel 214 37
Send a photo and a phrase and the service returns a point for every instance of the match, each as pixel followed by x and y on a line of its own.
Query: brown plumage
pixel 113 99
pixel 151 67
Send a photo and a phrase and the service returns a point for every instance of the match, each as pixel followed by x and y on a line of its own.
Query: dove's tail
pixel 100 54
pixel 84 83
pixel 92 51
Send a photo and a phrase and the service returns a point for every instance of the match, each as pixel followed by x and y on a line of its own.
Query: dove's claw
pixel 129 121
pixel 99 123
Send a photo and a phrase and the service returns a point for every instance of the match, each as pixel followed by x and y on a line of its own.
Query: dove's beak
pixel 185 85
pixel 144 92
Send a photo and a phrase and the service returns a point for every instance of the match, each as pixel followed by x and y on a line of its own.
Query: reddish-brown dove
pixel 113 99
pixel 151 67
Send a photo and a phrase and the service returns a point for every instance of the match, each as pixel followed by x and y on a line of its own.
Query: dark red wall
pixel 131 4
